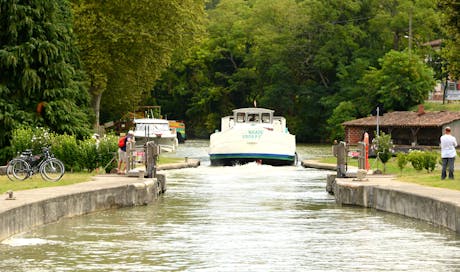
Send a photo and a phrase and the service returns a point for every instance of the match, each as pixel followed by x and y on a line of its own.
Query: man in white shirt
pixel 448 153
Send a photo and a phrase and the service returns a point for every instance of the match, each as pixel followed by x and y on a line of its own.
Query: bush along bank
pixel 77 155
pixel 419 160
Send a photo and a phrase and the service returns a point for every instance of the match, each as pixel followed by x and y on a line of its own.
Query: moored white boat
pixel 253 134
pixel 156 130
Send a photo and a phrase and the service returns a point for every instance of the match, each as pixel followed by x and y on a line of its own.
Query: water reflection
pixel 244 218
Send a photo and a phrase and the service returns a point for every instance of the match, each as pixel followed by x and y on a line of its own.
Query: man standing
pixel 448 153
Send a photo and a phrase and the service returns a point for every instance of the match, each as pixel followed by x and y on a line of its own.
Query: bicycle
pixel 27 164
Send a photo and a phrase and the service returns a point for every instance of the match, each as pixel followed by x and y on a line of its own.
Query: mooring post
pixel 130 148
pixel 152 151
pixel 341 159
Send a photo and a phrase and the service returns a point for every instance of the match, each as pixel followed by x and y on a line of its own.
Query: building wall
pixel 455 129
pixel 426 136
pixel 353 135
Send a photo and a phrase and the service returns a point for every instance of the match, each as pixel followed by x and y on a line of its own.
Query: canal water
pixel 242 218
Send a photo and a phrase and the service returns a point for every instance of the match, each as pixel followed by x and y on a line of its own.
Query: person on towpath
pixel 448 153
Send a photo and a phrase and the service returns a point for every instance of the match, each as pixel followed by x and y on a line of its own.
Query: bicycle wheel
pixel 52 169
pixel 18 169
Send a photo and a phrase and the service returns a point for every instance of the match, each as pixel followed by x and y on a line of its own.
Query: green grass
pixel 408 174
pixel 168 160
pixel 69 178
pixel 37 182
pixel 433 106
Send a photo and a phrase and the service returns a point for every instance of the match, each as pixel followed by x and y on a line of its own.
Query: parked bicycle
pixel 27 164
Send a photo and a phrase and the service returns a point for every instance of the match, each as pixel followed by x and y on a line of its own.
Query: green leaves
pixel 126 45
pixel 403 81
pixel 39 70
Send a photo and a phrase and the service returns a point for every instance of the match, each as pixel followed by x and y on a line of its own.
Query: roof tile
pixel 408 119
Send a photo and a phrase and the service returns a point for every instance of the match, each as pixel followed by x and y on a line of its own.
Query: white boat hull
pixel 245 144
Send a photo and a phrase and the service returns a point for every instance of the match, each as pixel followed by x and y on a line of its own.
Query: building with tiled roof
pixel 405 127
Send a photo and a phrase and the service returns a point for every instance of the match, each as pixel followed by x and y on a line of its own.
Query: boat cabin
pixel 149 126
pixel 254 116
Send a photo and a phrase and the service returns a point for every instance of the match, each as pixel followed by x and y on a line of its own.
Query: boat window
pixel 253 117
pixel 140 127
pixel 231 122
pixel 240 117
pixel 265 117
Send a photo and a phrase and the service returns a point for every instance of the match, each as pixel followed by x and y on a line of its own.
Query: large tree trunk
pixel 96 104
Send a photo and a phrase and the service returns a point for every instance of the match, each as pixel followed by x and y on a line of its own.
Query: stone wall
pixel 433 205
pixel 25 216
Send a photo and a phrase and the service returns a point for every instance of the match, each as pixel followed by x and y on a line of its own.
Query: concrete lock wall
pixel 390 199
pixel 25 216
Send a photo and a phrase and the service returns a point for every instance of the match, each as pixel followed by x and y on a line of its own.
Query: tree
pixel 126 45
pixel 451 10
pixel 383 147
pixel 41 83
pixel 345 111
pixel 402 81
pixel 300 58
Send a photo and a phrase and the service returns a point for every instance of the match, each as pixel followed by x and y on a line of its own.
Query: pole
pixel 366 157
pixel 378 121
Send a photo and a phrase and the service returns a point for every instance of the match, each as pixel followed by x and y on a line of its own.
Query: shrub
pixel 89 154
pixel 76 155
pixel 416 159
pixel 107 149
pixel 30 138
pixel 401 160
pixel 429 160
pixel 423 160
pixel 65 148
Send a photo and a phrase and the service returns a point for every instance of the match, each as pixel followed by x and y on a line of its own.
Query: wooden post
pixel 152 151
pixel 130 149
pixel 341 159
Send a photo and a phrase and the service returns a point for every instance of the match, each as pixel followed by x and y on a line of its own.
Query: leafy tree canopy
pixel 125 45
pixel 451 13
pixel 403 81
pixel 41 83
pixel 302 59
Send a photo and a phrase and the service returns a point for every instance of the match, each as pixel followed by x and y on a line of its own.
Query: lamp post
pixel 378 121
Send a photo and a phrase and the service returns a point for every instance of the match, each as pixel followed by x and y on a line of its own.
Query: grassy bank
pixel 69 178
pixel 409 174
pixel 37 182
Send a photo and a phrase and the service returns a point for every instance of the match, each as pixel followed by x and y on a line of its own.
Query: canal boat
pixel 149 125
pixel 179 126
pixel 253 135
pixel 156 130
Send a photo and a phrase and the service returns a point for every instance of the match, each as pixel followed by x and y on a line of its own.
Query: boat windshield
pixel 152 127
pixel 253 117
pixel 240 117
pixel 265 117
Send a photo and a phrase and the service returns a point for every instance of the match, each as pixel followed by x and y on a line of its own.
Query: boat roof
pixel 253 110
pixel 151 121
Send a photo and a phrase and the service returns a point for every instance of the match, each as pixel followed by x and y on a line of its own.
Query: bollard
pixel 361 175
pixel 186 159
pixel 141 174
pixel 10 195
